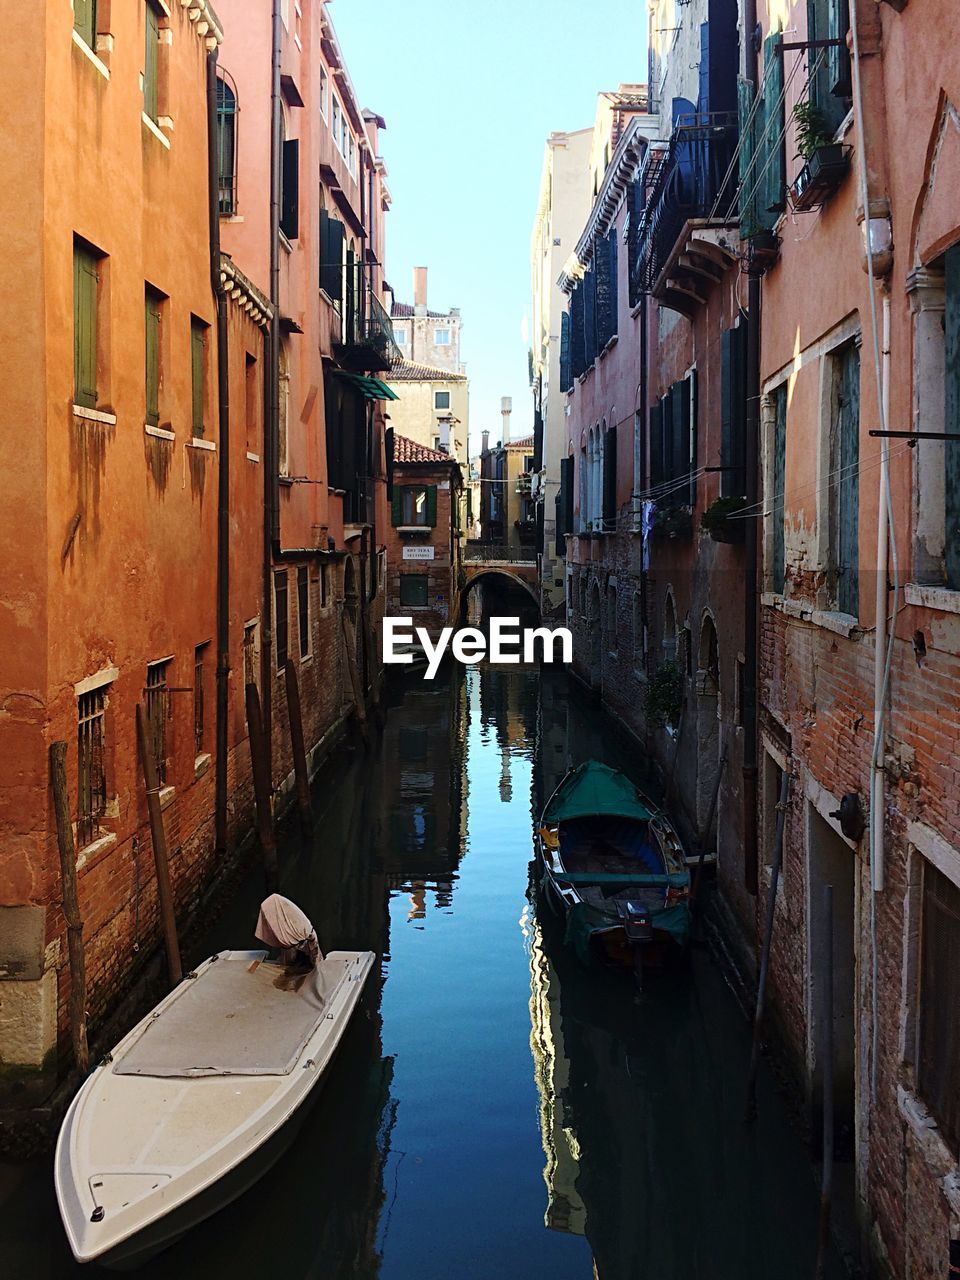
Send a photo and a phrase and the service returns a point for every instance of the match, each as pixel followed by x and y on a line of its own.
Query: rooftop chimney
pixel 506 408
pixel 420 287
pixel 485 442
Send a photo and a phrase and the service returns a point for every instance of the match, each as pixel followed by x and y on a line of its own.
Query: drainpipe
pixel 880 674
pixel 271 388
pixel 223 470
pixel 751 458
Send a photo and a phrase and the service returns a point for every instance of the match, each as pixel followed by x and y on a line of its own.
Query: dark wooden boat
pixel 614 865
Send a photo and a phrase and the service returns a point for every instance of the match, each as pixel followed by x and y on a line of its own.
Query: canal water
pixel 495 1110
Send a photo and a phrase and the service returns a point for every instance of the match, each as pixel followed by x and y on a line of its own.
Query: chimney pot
pixel 420 286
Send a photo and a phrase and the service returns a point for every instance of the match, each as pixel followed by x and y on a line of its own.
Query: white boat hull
pixel 142 1157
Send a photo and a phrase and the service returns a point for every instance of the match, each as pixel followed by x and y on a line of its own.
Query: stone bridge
pixel 515 564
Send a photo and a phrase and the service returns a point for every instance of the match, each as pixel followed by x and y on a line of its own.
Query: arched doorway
pixel 708 725
pixel 596 636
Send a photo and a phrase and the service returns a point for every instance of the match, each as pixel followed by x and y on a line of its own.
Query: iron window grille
pixel 226 144
pixel 938 1059
pixel 92 778
pixel 158 713
pixel 198 692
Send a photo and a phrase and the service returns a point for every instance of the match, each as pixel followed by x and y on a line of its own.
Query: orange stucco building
pixel 197 484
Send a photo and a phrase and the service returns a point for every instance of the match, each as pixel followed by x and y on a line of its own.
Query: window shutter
pixel 578 361
pixel 388 455
pixel 771 168
pixel 680 395
pixel 951 450
pixel 290 197
pixel 151 51
pixel 605 320
pixel 848 483
pixel 152 359
pixel 666 436
pixel 396 506
pixel 350 298
pixel 331 264
pixel 691 386
pixel 635 204
pixel 565 512
pixel 610 479
pixel 749 221
pixel 838 56
pixel 85 20
pixel 84 328
pixel 656 445
pixel 614 295
pixel 733 411
pixel 775 501
pixel 590 316
pixel 565 380
pixel 196 359
pixel 432 505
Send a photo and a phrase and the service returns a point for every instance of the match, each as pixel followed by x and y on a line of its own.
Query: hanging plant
pixel 720 519
pixel 672 522
pixel 663 699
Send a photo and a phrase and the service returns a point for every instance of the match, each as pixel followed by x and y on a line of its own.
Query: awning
pixel 372 388
pixel 593 791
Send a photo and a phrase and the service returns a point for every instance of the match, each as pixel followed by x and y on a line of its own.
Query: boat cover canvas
pixel 594 790
pixel 281 923
pixel 239 1016
pixel 583 921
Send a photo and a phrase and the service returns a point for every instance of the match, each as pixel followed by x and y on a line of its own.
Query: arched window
pixel 669 637
pixel 227 143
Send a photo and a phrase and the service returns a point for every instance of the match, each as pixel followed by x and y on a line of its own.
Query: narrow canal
pixel 495 1110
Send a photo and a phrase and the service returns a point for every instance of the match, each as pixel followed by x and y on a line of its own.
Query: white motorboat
pixel 198 1100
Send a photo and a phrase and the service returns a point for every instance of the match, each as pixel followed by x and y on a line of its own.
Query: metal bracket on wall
pixel 913 436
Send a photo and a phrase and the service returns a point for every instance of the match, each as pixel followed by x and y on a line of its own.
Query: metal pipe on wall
pixel 880 648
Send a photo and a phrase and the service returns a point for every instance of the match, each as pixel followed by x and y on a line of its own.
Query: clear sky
pixel 470 90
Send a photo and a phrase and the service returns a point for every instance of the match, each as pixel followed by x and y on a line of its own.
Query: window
pixel 413 590
pixel 284 393
pixel 950 451
pixel 830 87
pixel 323 92
pixel 401 337
pixel 322 583
pixel 158 713
pixel 337 121
pixel 251 653
pixel 844 492
pixel 91 765
pixel 86 288
pixel 673 442
pixel 252 402
pixel 290 189
pixel 733 411
pixel 441 399
pixel 85 20
pixel 352 155
pixel 151 63
pixel 199 683
pixel 153 321
pixel 303 609
pixel 226 144
pixel 938 1048
pixel 415 505
pixel 441 337
pixel 772 782
pixel 740 675
pixel 778 491
pixel 282 620
pixel 198 374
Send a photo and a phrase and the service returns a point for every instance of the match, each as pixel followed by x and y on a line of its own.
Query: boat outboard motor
pixel 282 924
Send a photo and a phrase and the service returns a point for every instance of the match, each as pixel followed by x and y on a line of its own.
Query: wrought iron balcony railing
pixel 694 177
pixel 367 340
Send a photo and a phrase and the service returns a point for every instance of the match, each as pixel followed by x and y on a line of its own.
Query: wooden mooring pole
pixel 168 917
pixel 295 714
pixel 714 797
pixel 751 1107
pixel 71 906
pixel 350 648
pixel 826 1041
pixel 260 762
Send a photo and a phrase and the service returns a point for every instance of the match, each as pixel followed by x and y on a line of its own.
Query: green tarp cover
pixel 676 880
pixel 583 921
pixel 371 387
pixel 595 791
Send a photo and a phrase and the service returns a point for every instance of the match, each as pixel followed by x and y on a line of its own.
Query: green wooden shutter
pixel 733 411
pixel 838 56
pixel 85 20
pixel 152 357
pixel 578 359
pixel 85 283
pixel 331 266
pixel 691 399
pixel 197 371
pixel 749 221
pixel 848 483
pixel 150 63
pixel 680 395
pixel 432 505
pixel 396 506
pixel 656 444
pixel 951 449
pixel 610 479
pixel 775 501
pixel 590 316
pixel 290 193
pixel 771 172
pixel 604 257
pixel 565 379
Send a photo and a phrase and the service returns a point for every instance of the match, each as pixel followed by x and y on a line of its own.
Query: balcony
pixel 687 236
pixel 366 342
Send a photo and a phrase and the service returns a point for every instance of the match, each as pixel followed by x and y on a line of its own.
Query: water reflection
pixel 495 1110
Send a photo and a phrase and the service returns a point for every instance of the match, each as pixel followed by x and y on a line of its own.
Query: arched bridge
pixel 515 564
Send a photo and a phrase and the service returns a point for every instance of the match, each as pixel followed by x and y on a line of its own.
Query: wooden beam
pixel 71 906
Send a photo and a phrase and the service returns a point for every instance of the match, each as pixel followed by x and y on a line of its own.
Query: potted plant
pixel 720 520
pixel 672 522
pixel 825 160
